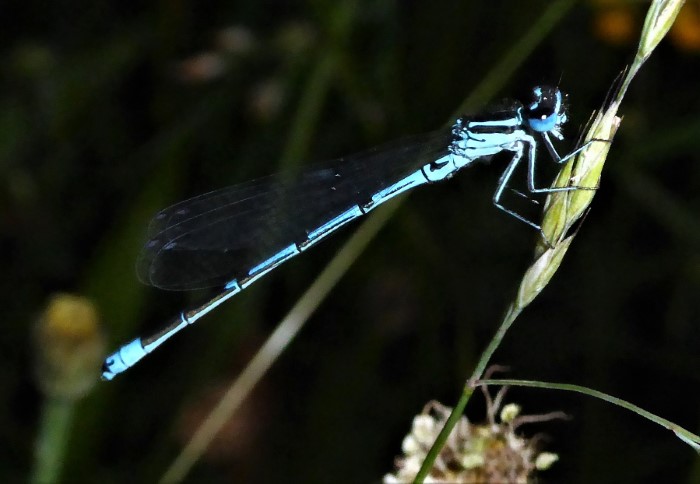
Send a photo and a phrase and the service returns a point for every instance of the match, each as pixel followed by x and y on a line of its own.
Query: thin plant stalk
pixel 685 435
pixel 564 209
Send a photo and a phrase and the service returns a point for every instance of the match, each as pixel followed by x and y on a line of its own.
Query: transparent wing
pixel 213 238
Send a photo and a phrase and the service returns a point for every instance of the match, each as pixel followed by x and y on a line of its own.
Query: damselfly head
pixel 546 113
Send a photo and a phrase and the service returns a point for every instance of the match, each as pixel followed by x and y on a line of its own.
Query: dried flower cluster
pixel 490 452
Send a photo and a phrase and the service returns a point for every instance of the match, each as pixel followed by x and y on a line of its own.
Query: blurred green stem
pixel 300 134
pixel 513 59
pixel 278 341
pixel 56 418
pixel 306 118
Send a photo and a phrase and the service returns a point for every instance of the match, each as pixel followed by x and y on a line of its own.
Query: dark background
pixel 112 110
